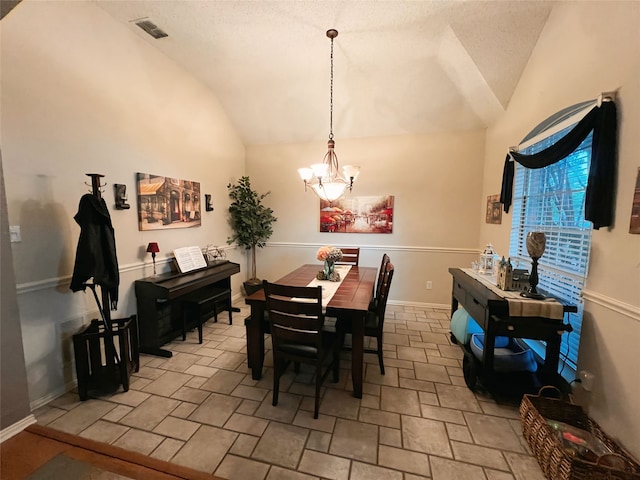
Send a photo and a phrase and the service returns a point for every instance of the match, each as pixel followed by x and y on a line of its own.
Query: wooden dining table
pixel 350 301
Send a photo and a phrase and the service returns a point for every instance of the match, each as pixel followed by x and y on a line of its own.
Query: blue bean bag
pixel 510 354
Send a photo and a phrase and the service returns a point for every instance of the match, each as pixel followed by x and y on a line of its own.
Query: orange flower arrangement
pixel 329 254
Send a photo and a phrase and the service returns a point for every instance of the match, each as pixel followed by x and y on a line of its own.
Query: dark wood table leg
pixel 255 341
pixel 488 350
pixel 454 301
pixel 552 356
pixel 357 352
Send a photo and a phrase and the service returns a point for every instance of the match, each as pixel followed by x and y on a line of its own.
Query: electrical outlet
pixel 429 285
pixel 586 379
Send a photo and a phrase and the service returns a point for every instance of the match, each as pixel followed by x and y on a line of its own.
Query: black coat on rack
pixel 96 251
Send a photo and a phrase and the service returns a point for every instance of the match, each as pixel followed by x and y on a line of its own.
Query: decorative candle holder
pixel 536 243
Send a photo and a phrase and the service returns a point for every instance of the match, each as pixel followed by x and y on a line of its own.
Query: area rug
pixel 42 453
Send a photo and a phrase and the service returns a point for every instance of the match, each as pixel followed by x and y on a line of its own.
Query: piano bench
pixel 199 305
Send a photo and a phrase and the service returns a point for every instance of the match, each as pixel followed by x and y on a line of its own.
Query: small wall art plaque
pixel 494 210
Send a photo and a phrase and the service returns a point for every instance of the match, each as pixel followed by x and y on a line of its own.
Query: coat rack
pixel 105 313
pixel 100 366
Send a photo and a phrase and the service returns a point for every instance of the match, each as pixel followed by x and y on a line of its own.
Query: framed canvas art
pixel 165 202
pixel 373 214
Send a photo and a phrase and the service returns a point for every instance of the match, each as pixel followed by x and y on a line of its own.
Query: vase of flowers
pixel 329 255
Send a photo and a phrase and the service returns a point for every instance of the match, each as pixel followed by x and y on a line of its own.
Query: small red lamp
pixel 153 249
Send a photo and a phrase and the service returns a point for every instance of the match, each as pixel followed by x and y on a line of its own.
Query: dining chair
pixel 350 256
pixel 298 334
pixel 381 272
pixel 374 321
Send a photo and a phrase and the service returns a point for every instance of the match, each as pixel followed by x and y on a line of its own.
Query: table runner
pixel 329 288
pixel 520 306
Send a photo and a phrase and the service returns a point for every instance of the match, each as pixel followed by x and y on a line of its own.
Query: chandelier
pixel 325 179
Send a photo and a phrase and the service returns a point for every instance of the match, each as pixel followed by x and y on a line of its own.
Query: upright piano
pixel 159 301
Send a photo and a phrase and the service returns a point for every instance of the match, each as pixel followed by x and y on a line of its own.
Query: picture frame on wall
pixel 494 210
pixel 165 202
pixel 634 223
pixel 372 214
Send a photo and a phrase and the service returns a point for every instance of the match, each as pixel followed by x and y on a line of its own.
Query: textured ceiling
pixel 401 67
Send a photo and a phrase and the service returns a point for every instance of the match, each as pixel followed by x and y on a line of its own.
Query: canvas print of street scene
pixel 165 202
pixel 357 215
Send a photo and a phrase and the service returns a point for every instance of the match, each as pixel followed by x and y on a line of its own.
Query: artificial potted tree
pixel 251 222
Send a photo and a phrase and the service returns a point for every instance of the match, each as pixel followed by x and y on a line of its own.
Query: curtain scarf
pixel 599 200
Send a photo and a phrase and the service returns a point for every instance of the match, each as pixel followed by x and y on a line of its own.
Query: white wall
pixel 587 48
pixel 14 391
pixel 84 94
pixel 436 181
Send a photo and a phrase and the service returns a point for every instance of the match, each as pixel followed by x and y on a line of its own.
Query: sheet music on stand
pixel 189 258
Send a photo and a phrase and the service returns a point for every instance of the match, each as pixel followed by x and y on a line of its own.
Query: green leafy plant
pixel 250 220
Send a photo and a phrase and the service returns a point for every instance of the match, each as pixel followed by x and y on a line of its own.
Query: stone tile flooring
pixel 202 409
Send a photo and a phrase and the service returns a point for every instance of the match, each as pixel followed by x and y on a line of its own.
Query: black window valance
pixel 600 194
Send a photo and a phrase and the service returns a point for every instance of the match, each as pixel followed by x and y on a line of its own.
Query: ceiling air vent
pixel 151 29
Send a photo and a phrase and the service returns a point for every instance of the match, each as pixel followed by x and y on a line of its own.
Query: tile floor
pixel 202 409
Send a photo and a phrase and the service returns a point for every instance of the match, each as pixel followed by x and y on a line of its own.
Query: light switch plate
pixel 14 233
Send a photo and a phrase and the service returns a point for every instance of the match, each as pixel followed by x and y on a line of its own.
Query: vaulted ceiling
pixel 400 67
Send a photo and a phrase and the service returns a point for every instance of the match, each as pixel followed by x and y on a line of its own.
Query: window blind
pixel 552 200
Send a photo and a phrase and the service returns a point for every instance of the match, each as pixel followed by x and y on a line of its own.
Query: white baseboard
pixel 434 306
pixel 42 401
pixel 16 428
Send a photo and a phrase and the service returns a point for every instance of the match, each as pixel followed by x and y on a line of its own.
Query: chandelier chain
pixel 331 97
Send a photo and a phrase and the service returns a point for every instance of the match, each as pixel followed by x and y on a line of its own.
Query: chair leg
pixel 380 361
pixel 336 365
pixel 277 371
pixel 318 383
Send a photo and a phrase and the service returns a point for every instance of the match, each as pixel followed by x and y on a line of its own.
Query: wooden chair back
pixel 295 316
pixel 350 256
pixel 383 294
pixel 381 273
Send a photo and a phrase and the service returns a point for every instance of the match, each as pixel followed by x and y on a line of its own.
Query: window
pixel 552 200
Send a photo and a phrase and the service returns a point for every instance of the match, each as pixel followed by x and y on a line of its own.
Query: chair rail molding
pixel 389 248
pixel 622 308
pixel 55 282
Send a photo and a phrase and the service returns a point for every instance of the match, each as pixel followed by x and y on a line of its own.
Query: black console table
pixel 159 300
pixel 491 311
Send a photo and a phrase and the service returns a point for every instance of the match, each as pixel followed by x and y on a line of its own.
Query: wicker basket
pixel 555 463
